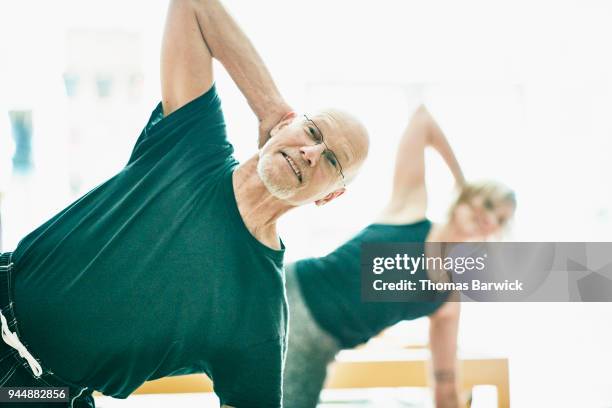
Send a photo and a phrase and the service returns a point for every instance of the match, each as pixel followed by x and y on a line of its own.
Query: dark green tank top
pixel 331 287
pixel 153 273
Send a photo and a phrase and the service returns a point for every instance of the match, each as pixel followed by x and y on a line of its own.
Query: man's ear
pixel 285 120
pixel 330 196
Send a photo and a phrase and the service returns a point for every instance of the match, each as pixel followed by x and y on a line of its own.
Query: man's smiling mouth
pixel 293 166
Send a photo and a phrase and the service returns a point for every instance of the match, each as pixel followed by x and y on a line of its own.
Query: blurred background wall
pixel 523 90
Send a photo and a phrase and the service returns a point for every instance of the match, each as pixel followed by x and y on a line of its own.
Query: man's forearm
pixel 230 46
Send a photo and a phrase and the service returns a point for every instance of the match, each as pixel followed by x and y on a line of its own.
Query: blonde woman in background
pixel 326 311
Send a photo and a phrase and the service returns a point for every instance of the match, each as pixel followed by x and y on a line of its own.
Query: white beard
pixel 265 170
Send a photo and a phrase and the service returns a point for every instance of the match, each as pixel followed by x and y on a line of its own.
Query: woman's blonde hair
pixel 492 190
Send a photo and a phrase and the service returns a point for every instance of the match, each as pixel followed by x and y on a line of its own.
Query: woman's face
pixel 482 217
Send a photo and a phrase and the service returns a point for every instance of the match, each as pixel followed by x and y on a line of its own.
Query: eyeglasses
pixel 330 156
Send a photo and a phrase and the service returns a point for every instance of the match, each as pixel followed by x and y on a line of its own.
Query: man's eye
pixel 332 160
pixel 488 204
pixel 313 134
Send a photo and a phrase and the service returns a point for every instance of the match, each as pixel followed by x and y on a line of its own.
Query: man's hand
pixel 271 120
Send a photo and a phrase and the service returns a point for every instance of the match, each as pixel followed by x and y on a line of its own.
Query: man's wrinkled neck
pixel 259 209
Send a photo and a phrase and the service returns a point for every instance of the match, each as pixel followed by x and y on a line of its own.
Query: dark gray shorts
pixel 14 370
pixel 310 350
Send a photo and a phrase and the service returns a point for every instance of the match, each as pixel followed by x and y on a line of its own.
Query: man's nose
pixel 312 153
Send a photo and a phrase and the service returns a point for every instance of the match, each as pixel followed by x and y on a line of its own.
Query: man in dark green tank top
pixel 173 265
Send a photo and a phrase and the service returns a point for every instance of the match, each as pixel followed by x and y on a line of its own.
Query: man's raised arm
pixel 199 30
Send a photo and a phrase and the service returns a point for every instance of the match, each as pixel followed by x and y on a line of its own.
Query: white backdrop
pixel 523 90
